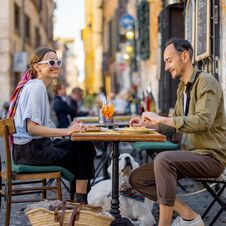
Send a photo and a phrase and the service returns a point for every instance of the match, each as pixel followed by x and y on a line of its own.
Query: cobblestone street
pixel 197 201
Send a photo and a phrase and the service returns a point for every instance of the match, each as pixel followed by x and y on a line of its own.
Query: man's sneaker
pixel 180 222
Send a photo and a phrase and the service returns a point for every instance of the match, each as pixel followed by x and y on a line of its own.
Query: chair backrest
pixel 7 128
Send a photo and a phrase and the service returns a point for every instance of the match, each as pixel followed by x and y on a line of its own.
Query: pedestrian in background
pixel 75 102
pixel 63 112
pixel 32 143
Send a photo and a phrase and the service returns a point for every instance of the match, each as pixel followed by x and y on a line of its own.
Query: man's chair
pixel 152 148
pixel 16 175
pixel 216 192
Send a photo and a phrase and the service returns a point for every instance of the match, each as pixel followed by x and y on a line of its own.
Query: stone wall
pixel 4 52
pixel 222 66
pixel 11 42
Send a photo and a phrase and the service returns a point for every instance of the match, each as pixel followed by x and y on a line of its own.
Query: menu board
pixel 202 40
pixel 190 22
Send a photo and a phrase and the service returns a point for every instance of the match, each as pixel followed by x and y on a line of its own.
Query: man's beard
pixel 177 76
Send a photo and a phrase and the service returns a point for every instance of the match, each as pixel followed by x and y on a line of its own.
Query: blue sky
pixel 69 21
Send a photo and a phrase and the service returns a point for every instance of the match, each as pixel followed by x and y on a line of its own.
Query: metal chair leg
pixel 44 191
pixel 72 191
pixel 181 186
pixel 65 186
pixel 0 192
pixel 216 198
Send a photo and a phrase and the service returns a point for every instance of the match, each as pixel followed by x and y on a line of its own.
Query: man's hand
pixel 136 121
pixel 150 116
pixel 150 124
pixel 155 119
pixel 142 121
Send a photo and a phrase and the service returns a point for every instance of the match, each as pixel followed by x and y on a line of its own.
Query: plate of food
pixel 140 130
pixel 93 129
pixel 87 119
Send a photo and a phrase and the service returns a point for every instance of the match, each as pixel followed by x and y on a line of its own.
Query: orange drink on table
pixel 107 110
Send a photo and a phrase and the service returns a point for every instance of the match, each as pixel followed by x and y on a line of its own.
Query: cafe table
pixel 115 137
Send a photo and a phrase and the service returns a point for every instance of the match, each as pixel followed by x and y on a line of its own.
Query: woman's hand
pixel 76 127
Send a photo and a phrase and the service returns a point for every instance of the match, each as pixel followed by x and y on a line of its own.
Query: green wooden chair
pixel 12 175
pixel 67 175
pixel 152 148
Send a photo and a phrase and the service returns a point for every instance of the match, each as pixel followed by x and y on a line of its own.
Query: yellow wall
pixel 92 37
pixel 108 13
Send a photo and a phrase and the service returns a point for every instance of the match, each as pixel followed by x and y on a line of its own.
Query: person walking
pixel 32 143
pixel 200 117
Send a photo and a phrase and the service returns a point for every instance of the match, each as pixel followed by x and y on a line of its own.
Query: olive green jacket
pixel 204 128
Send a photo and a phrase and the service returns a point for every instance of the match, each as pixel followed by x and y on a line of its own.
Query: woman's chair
pixel 14 175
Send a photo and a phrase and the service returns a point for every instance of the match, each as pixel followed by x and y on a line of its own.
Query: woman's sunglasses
pixel 51 63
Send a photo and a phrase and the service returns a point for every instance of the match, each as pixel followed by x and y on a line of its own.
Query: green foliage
pixel 89 101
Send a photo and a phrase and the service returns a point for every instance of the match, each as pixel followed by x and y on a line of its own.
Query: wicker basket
pixel 87 217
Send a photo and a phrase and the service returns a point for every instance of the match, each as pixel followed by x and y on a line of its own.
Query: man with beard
pixel 199 116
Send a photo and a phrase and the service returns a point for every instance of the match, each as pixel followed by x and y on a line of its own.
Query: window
pixel 16 19
pixel 40 5
pixel 37 37
pixel 144 29
pixel 27 29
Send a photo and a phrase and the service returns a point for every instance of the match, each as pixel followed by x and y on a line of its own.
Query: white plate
pixel 131 130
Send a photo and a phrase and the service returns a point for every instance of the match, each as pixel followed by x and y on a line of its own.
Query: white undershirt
pixel 185 100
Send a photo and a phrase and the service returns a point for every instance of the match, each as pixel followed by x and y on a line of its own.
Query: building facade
pixel 92 38
pixel 24 25
pixel 138 60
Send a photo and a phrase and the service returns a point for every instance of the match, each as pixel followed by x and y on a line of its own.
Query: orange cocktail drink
pixel 107 110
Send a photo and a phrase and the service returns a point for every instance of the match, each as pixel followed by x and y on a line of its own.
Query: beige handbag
pixel 80 215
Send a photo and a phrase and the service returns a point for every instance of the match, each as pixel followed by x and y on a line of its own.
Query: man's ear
pixel 186 56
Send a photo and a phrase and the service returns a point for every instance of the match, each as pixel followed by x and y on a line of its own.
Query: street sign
pixel 126 21
pixel 20 61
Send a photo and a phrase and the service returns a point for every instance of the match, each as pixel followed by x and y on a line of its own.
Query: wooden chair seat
pixel 20 168
pixel 32 176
